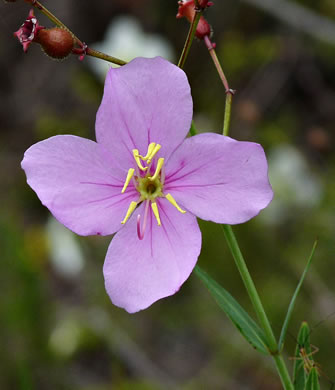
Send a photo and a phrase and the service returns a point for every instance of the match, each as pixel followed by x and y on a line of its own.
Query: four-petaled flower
pixel 144 180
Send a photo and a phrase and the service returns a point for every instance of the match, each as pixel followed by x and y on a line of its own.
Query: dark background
pixel 58 329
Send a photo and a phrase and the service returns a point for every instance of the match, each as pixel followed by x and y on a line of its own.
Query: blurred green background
pixel 58 329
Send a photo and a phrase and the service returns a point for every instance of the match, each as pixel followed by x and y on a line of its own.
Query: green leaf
pixel 294 297
pixel 313 380
pixel 302 353
pixel 240 318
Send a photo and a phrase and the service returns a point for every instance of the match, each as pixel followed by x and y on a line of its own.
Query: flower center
pixel 148 177
pixel 149 189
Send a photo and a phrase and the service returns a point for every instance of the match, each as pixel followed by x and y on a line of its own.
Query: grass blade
pixel 294 297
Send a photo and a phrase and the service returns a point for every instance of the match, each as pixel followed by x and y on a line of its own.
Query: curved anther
pixel 172 200
pixel 137 158
pixel 156 212
pixel 131 208
pixel 151 147
pixel 154 152
pixel 160 163
pixel 130 174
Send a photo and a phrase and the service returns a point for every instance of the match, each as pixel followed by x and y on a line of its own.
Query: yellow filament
pixel 129 176
pixel 156 212
pixel 131 208
pixel 151 147
pixel 158 169
pixel 138 160
pixel 171 199
pixel 154 152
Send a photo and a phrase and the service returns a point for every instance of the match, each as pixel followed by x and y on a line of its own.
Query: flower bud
pixel 187 9
pixel 56 42
pixel 28 31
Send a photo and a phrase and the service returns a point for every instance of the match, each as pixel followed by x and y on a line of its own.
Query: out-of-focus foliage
pixel 58 329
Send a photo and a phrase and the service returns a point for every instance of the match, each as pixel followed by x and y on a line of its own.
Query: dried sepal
pixel 28 31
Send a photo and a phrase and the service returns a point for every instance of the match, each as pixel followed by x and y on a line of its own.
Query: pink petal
pixel 147 100
pixel 79 183
pixel 139 272
pixel 219 179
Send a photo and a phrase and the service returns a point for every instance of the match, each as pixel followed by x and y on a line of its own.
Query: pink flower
pixel 144 180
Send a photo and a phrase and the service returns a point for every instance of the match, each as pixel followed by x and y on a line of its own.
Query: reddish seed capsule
pixel 56 42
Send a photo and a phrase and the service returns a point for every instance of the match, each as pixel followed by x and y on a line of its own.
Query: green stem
pixel 257 304
pixel 235 250
pixel 86 50
pixel 189 39
pixel 227 113
pixel 103 56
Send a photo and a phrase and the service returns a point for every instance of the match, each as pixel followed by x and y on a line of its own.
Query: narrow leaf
pixel 313 380
pixel 240 318
pixel 302 357
pixel 294 297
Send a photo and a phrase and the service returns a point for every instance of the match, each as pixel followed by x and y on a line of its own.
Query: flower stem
pixel 190 36
pixel 103 56
pixel 235 250
pixel 258 307
pixel 82 45
pixel 229 92
pixel 227 113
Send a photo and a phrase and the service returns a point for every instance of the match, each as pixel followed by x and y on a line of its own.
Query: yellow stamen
pixel 158 169
pixel 131 208
pixel 171 199
pixel 151 147
pixel 154 152
pixel 129 176
pixel 138 160
pixel 156 212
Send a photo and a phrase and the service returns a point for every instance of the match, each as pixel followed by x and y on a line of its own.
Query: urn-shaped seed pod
pixel 56 42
